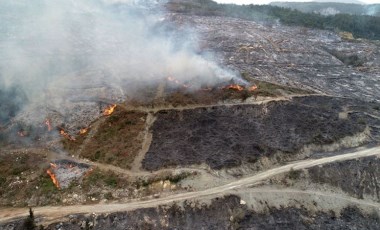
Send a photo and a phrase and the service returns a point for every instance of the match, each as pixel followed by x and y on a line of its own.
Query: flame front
pixel 21 133
pixel 252 88
pixel 48 124
pixel 83 131
pixel 53 178
pixel 172 79
pixel 66 135
pixel 108 111
pixel 235 87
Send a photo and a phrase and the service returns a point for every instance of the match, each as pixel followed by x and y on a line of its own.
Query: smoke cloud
pixel 50 45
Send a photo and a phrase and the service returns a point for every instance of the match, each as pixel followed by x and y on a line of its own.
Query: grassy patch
pixel 101 178
pixel 22 176
pixel 212 96
pixel 118 139
pixel 46 184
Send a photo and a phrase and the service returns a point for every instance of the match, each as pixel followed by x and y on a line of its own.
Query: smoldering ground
pixel 54 52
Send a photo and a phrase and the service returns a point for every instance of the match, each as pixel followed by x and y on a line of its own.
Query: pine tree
pixel 29 221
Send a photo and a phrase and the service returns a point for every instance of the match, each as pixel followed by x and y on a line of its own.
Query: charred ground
pixel 228 136
pixel 174 125
pixel 222 213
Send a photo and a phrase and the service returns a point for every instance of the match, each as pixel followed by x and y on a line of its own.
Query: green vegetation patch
pixel 118 139
pixel 101 178
pixel 23 176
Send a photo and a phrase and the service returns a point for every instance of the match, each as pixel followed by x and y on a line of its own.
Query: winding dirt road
pixel 51 213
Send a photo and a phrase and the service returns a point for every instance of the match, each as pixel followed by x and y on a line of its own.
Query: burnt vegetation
pixel 359 178
pixel 225 137
pixel 224 213
pixel 176 96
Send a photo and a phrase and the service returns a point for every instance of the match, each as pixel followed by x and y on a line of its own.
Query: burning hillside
pixel 109 110
pixel 72 61
pixel 63 172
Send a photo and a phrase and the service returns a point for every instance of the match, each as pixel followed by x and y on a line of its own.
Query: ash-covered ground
pixel 229 212
pixel 228 136
pixel 296 56
pixel 358 178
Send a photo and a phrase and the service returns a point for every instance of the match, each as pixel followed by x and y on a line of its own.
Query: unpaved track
pixel 147 140
pixel 53 213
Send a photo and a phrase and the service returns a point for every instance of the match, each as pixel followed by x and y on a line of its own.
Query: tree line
pixel 361 26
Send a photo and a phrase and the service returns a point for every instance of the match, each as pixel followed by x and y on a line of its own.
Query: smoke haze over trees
pixel 339 8
pixel 361 26
pixel 50 44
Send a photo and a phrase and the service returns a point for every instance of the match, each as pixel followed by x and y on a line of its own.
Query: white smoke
pixel 50 44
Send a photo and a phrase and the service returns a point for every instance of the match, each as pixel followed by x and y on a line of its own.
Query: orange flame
pixel 172 79
pixel 21 133
pixel 89 171
pixel 252 88
pixel 83 131
pixel 66 135
pixel 48 124
pixel 108 111
pixel 53 178
pixel 235 87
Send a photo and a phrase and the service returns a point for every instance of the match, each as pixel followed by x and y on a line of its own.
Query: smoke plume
pixel 49 47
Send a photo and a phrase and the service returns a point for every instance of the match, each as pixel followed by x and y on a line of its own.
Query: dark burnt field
pixel 227 136
pixel 359 178
pixel 222 213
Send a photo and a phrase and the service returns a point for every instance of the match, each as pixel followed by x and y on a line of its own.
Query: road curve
pixel 55 212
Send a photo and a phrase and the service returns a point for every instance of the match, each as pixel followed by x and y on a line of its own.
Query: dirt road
pixel 53 213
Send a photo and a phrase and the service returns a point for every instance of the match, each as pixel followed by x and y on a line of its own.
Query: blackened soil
pixel 359 178
pixel 222 213
pixel 227 136
pixel 293 218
